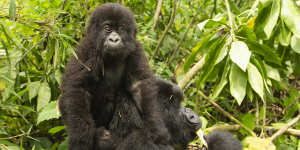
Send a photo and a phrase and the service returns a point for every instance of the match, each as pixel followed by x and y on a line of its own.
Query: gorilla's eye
pixel 107 28
pixel 122 27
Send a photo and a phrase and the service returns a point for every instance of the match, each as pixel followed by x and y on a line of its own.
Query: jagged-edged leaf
pixel 256 80
pixel 48 112
pixel 44 95
pixel 240 54
pixel 290 13
pixel 238 83
pixel 33 88
pixel 295 44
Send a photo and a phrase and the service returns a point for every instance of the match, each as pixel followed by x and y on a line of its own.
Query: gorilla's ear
pixel 136 93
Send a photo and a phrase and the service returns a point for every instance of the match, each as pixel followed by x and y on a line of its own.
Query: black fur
pixel 91 84
pixel 222 140
pixel 131 132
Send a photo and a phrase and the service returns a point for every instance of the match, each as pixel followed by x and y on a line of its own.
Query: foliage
pixel 251 52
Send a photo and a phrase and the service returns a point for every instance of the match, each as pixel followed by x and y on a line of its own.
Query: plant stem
pixel 231 21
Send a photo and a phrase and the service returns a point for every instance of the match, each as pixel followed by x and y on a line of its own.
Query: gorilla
pixel 108 61
pixel 129 131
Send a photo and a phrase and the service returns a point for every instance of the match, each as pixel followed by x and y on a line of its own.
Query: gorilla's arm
pixel 74 106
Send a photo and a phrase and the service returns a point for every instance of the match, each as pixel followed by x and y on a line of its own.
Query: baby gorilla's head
pixel 112 26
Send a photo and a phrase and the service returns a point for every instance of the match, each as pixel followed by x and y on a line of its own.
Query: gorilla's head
pixel 182 123
pixel 113 29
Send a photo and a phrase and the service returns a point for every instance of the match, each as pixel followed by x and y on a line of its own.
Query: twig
pixel 12 137
pixel 226 113
pixel 262 134
pixel 64 4
pixel 191 73
pixel 236 127
pixel 284 128
pixel 157 12
pixel 166 30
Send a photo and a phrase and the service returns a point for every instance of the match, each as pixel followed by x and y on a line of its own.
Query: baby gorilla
pixel 132 129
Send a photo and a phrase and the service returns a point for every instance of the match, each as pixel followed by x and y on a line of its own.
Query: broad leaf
pixel 44 95
pixel 200 45
pixel 290 13
pixel 224 80
pixel 295 44
pixel 48 112
pixel 240 54
pixel 265 51
pixel 272 18
pixel 256 80
pixel 272 73
pixel 284 35
pixel 238 83
pixel 33 88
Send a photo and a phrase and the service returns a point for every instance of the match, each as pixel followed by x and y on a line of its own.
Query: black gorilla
pixel 128 131
pixel 109 61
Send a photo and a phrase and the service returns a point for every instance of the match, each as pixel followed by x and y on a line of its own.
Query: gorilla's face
pixel 113 29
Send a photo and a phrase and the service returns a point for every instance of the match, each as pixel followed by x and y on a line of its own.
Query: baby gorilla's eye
pixel 107 28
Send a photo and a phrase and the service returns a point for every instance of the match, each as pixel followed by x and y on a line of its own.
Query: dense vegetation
pixel 238 62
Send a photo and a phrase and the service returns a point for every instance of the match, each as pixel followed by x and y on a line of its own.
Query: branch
pixel 191 73
pixel 236 127
pixel 284 128
pixel 226 113
pixel 159 3
pixel 166 30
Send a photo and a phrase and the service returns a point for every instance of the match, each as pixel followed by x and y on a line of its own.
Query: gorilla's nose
pixel 114 38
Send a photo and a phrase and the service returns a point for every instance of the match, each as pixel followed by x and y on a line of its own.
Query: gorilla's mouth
pixel 113 46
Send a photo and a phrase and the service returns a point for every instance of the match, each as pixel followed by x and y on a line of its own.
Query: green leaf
pixel 238 83
pixel 265 51
pixel 48 112
pixel 272 18
pixel 240 54
pixel 199 46
pixel 272 73
pixel 284 35
pixel 290 13
pixel 44 95
pixel 295 44
pixel 249 121
pixel 218 89
pixel 33 88
pixel 12 9
pixel 56 129
pixel 210 59
pixel 256 80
